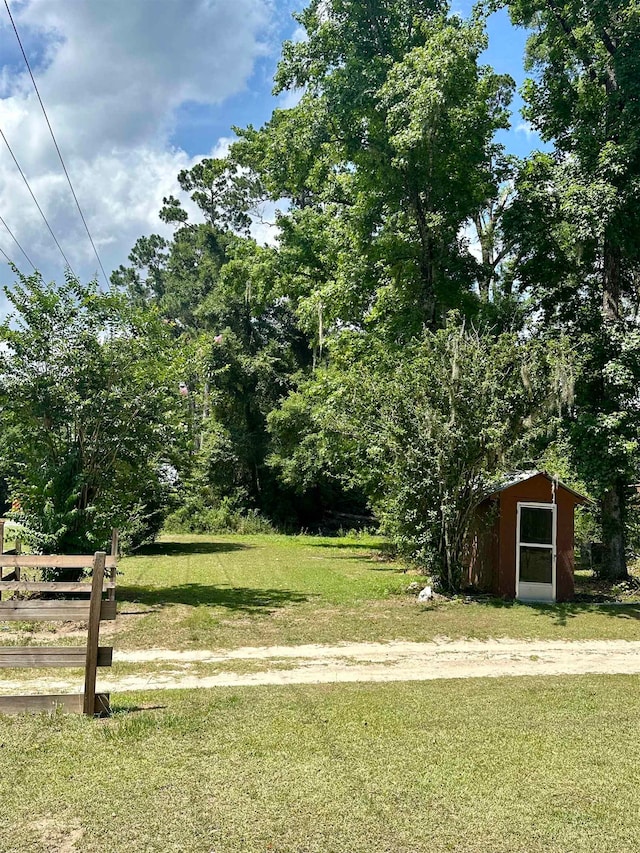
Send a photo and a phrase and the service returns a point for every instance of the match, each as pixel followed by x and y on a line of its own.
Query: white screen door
pixel 536 552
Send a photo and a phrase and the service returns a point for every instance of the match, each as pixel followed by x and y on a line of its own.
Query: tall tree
pixel 385 160
pixel 237 343
pixel 579 223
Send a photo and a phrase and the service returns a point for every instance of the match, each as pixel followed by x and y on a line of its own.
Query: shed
pixel 522 542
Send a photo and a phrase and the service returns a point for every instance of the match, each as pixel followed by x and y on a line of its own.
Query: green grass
pixel 482 765
pixel 230 591
pixel 191 592
pixel 491 765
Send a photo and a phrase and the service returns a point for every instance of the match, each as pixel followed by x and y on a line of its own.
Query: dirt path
pixel 395 661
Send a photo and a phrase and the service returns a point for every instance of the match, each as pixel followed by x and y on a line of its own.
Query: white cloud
pixel 222 146
pixel 112 77
pixel 290 98
pixel 300 34
pixel 527 128
pixel 127 65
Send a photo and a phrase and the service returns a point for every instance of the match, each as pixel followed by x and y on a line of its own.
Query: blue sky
pixel 199 123
pixel 137 90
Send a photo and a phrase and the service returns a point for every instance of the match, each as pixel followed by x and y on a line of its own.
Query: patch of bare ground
pixel 54 836
pixel 358 662
pixel 66 631
pixel 127 618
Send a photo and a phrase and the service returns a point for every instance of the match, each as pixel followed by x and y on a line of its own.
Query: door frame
pixel 554 550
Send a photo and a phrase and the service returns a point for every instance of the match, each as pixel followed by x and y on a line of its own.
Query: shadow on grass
pixel 560 614
pixel 345 546
pixel 186 549
pixel 379 562
pixel 241 599
pixel 374 560
pixel 383 557
pixel 382 565
pixel 124 710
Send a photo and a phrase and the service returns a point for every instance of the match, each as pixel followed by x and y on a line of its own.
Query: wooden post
pixel 93 635
pixel 18 571
pixel 111 595
pixel 3 521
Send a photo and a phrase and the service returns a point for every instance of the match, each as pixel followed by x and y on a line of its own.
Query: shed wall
pixel 483 552
pixel 536 489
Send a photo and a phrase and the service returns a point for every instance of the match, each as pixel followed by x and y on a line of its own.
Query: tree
pixel 385 160
pixel 578 219
pixel 86 401
pixel 237 345
pixel 422 431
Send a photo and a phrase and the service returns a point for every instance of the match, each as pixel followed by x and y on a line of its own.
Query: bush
pixel 423 431
pixel 227 517
pixel 86 410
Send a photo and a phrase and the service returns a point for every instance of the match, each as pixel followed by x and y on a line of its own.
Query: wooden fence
pixel 91 608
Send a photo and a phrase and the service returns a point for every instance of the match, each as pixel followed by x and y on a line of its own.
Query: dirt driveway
pixel 394 661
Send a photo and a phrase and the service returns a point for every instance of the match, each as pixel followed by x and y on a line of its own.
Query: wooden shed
pixel 522 545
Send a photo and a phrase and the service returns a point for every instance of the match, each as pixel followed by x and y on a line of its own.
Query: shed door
pixel 536 552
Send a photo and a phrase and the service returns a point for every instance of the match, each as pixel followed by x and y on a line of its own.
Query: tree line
pixel 433 312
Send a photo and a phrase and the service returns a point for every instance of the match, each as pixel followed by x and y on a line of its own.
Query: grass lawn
pixel 225 592
pixel 190 592
pixel 498 765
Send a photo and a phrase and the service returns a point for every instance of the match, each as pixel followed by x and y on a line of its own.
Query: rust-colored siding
pixel 492 560
pixel 483 553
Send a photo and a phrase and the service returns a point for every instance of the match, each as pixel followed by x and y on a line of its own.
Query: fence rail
pixel 92 609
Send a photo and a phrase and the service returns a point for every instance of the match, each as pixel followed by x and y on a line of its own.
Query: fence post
pixel 111 594
pixel 17 572
pixel 2 524
pixel 93 635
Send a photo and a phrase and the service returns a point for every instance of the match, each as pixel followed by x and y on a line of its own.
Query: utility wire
pixel 73 192
pixel 9 261
pixel 46 221
pixel 13 237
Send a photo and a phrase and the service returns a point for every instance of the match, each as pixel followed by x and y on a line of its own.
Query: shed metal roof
pixel 513 478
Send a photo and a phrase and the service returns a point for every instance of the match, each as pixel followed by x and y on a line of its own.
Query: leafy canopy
pixel 422 430
pixel 86 405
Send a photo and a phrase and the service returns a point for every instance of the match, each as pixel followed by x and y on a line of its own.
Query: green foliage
pixel 380 169
pixel 237 347
pixel 85 410
pixel 387 157
pixel 383 162
pixel 223 192
pixel 337 337
pixel 561 237
pixel 423 431
pixel 229 516
pixel 576 223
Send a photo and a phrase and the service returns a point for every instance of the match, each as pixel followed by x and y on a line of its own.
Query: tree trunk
pixel 484 231
pixel 426 262
pixel 614 563
pixel 205 414
pixel 614 560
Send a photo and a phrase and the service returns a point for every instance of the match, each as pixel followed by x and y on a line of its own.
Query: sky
pixel 137 90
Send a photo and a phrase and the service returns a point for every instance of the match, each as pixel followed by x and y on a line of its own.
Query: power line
pixel 46 221
pixel 15 240
pixel 9 261
pixel 73 192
